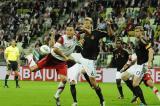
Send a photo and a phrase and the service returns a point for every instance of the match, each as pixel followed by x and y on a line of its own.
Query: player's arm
pixel 87 31
pixel 150 55
pixel 56 49
pixel 150 51
pixel 52 41
pixel 131 60
pixel 109 29
pixel 59 52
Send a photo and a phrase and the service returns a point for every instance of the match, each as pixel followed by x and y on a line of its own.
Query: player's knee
pixel 135 84
pixel 150 83
pixel 34 68
pixel 63 79
pixel 124 77
pixel 72 82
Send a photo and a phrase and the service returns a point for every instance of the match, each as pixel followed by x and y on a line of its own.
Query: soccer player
pixel 89 54
pixel 144 53
pixel 58 57
pixel 120 57
pixel 12 59
pixel 147 79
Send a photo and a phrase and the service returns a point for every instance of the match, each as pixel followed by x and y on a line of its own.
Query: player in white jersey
pixel 57 59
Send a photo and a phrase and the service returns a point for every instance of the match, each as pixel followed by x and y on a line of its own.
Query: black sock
pixel 139 94
pixel 130 86
pixel 87 78
pixel 16 79
pixel 6 79
pixel 73 92
pixel 99 93
pixel 118 81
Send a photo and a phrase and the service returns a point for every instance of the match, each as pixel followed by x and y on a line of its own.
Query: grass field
pixel 41 94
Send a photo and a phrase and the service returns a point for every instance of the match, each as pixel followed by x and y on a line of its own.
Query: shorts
pixel 88 65
pixel 73 72
pixel 51 62
pixel 137 70
pixel 118 75
pixel 147 77
pixel 12 66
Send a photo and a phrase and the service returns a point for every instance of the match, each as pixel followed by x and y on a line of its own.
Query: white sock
pixel 60 89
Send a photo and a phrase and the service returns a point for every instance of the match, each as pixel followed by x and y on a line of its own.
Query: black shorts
pixel 12 66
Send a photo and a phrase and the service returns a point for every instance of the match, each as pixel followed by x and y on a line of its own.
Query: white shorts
pixel 118 75
pixel 73 72
pixel 137 70
pixel 88 65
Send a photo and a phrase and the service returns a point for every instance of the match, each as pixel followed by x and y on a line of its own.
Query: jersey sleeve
pixel 59 42
pixel 99 34
pixel 146 43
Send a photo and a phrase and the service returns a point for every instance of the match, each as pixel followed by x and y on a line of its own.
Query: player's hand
pixel 149 65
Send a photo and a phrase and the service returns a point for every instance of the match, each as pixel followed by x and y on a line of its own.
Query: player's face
pixel 13 43
pixel 87 24
pixel 138 33
pixel 118 44
pixel 70 31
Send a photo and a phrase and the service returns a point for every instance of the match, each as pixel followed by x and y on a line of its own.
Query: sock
pixel 130 86
pixel 139 93
pixel 16 79
pixel 118 81
pixel 60 89
pixel 156 92
pixel 73 92
pixel 6 79
pixel 99 93
pixel 87 78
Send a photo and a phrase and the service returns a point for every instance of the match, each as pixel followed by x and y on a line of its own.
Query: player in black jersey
pixel 144 53
pixel 90 52
pixel 120 57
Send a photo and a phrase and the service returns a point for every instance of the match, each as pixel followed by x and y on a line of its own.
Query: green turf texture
pixel 33 93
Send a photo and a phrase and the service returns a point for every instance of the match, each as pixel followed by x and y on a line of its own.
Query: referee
pixel 12 59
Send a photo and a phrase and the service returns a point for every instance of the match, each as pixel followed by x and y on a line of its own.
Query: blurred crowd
pixel 26 20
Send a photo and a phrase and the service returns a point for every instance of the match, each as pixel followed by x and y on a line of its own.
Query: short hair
pixel 139 27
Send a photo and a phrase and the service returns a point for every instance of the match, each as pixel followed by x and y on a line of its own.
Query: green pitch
pixel 41 94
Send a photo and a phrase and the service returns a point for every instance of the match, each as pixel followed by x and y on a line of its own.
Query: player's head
pixel 119 43
pixel 70 31
pixel 139 31
pixel 87 23
pixel 13 43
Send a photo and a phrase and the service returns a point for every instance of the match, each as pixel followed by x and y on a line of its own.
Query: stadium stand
pixel 31 20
